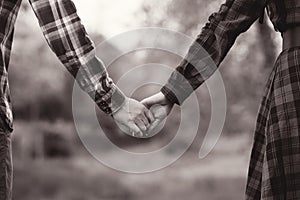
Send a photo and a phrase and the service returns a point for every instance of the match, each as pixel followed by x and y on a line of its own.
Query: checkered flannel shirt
pixel 68 39
pixel 217 37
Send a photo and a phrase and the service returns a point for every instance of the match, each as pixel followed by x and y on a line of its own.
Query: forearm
pixel 69 40
pixel 94 80
pixel 211 47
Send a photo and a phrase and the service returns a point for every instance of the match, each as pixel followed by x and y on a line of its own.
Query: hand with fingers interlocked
pixel 140 119
pixel 133 118
pixel 160 108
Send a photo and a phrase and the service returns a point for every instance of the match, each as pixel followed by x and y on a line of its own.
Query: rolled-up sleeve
pixel 216 39
pixel 70 42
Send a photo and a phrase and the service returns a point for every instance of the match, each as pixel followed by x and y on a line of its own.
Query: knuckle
pixel 138 116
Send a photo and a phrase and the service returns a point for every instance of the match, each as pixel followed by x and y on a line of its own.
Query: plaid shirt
pixel 218 36
pixel 68 39
pixel 275 159
pixel 284 13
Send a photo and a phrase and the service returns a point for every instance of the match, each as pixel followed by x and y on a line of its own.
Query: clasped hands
pixel 138 119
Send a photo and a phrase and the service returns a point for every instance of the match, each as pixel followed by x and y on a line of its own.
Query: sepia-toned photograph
pixel 149 100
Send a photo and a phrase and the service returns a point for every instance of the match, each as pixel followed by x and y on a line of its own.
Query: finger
pixel 149 116
pixel 144 118
pixel 135 130
pixel 155 123
pixel 140 124
pixel 158 98
pixel 145 121
pixel 147 102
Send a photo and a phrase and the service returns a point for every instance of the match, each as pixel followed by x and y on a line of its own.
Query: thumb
pixel 150 101
pixel 147 102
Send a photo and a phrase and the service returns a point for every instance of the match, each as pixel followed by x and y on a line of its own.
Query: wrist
pixel 169 95
pixel 121 107
pixel 164 99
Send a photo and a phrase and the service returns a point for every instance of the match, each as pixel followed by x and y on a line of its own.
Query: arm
pixel 216 37
pixel 68 39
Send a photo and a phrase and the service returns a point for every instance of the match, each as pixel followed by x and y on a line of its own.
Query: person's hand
pixel 133 118
pixel 160 107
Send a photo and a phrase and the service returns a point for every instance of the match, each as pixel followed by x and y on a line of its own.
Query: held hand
pixel 160 107
pixel 133 118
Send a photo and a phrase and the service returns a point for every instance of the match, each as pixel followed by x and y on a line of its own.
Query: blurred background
pixel 50 162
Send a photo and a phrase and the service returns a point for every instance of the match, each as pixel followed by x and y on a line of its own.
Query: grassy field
pixel 221 175
pixel 60 181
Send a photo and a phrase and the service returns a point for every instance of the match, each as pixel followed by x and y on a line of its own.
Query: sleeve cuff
pixel 113 102
pixel 117 100
pixel 175 93
pixel 108 97
pixel 171 97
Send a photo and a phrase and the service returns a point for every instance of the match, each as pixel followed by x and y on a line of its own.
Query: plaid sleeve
pixel 216 38
pixel 68 39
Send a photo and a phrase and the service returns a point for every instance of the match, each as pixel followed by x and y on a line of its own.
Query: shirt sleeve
pixel 216 38
pixel 68 39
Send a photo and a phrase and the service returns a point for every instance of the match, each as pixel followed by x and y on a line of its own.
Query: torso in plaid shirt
pixel 274 171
